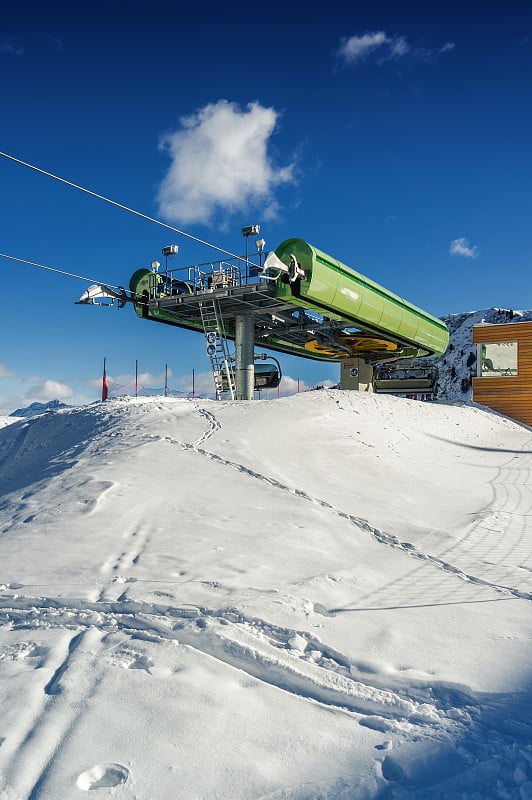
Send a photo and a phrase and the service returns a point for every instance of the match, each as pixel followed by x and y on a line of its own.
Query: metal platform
pixel 239 295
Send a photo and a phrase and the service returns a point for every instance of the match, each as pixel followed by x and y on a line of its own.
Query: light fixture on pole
pixel 260 247
pixel 169 251
pixel 249 230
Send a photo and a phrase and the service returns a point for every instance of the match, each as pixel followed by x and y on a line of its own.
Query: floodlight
pixel 260 244
pixel 155 265
pixel 170 250
pixel 251 230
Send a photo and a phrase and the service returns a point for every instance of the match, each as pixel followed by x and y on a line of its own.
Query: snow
pixel 321 597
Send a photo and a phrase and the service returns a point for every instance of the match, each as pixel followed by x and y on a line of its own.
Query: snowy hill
pixel 458 365
pixel 38 408
pixel 323 597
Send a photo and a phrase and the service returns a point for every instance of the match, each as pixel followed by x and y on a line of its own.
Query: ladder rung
pixel 212 320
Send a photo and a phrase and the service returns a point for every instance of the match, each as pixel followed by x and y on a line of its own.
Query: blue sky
pixel 394 136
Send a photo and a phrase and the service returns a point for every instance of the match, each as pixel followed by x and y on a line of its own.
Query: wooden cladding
pixel 511 396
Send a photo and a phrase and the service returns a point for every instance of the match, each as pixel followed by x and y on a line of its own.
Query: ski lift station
pixel 504 369
pixel 295 299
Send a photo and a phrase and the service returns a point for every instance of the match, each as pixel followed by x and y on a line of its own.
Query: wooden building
pixel 504 369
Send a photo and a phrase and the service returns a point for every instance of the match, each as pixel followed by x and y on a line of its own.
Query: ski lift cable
pixel 55 269
pixel 120 205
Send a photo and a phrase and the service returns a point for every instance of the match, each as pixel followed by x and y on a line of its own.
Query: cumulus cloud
pixel 381 48
pixel 5 372
pixel 220 162
pixel 291 385
pixel 50 390
pixel 462 247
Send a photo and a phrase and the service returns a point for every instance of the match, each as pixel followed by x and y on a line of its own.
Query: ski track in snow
pixel 296 662
pixel 292 661
pixel 51 717
pixel 388 539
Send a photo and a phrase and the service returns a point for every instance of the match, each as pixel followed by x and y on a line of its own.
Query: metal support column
pixel 244 346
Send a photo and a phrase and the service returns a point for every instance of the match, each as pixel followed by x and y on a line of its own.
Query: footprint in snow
pixel 130 659
pixel 318 608
pixel 102 776
pixel 24 650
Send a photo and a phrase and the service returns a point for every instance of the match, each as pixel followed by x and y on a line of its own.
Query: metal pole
pixel 136 378
pixel 244 350
pixel 105 390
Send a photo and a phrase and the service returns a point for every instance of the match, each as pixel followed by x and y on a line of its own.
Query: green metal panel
pixel 330 286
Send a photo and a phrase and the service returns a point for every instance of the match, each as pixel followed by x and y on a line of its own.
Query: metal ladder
pixel 217 347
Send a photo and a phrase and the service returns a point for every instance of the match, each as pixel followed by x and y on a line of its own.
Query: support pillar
pixel 245 351
pixel 357 374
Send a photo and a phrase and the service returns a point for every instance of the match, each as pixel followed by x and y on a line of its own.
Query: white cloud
pixel 5 372
pixel 447 47
pixel 399 47
pixel 461 247
pixel 203 384
pixel 291 385
pixel 357 48
pixel 125 383
pixel 220 161
pixel 50 390
pixel 384 48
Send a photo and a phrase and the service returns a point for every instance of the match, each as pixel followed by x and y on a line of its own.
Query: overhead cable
pixel 54 269
pixel 120 205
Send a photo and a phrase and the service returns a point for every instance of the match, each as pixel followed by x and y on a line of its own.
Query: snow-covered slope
pixel 7 421
pixel 458 365
pixel 317 598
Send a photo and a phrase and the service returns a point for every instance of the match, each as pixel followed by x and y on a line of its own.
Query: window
pixel 497 359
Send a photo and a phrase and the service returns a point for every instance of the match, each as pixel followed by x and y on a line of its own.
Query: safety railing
pixel 207 277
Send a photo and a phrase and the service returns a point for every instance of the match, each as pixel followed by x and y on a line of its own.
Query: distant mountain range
pixel 38 408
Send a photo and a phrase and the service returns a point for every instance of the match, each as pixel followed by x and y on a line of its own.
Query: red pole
pixel 136 378
pixel 105 390
pixel 298 385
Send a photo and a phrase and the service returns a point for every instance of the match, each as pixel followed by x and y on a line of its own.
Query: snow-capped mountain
pixel 38 408
pixel 459 364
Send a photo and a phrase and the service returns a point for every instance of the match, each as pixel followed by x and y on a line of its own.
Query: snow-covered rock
pixel 458 365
